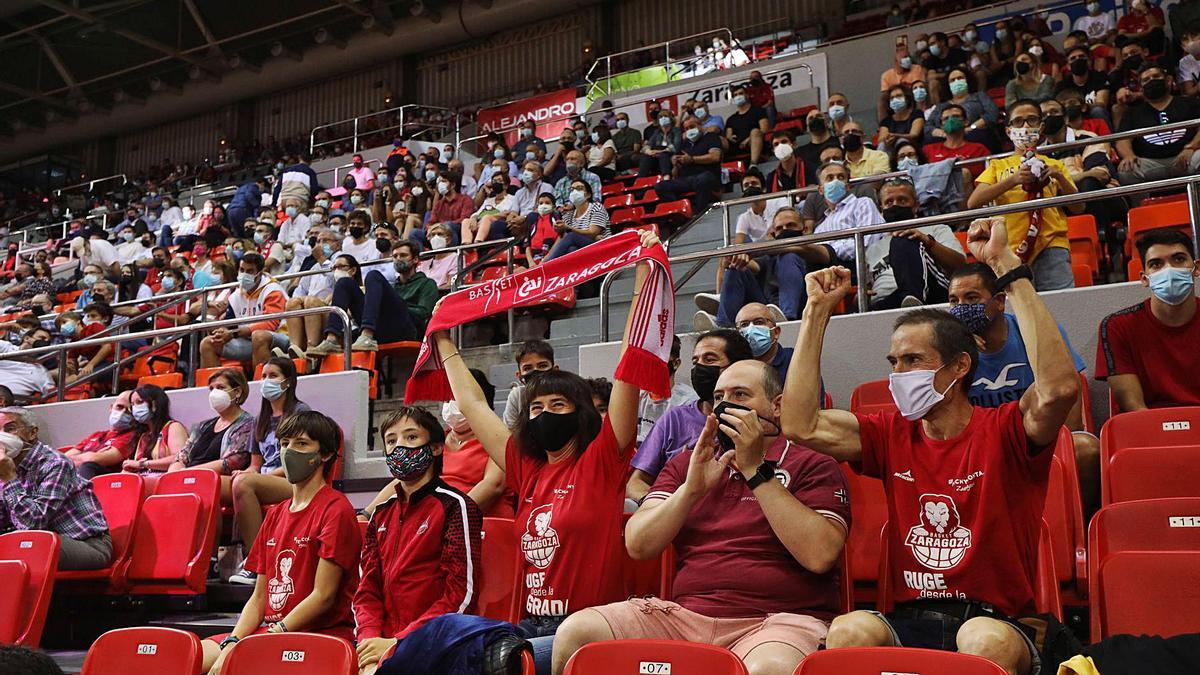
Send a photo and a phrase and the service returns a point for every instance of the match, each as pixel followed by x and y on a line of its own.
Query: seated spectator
pixel 710 123
pixel 387 311
pixel 602 153
pixel 1040 239
pixel 664 140
pixel 861 160
pixel 40 283
pixel 301 588
pixel 910 267
pixel 980 109
pixel 358 241
pixel 533 358
pixel 1029 82
pixel 770 618
pixel 532 185
pixel 1088 166
pixel 790 173
pixel 67 327
pixel 27 661
pixel 1189 65
pixel 1148 352
pixel 1100 26
pixel 1158 156
pixel 903 121
pixel 104 451
pixel 953 143
pixel 537 234
pixel 25 376
pixel 162 438
pixel 1145 24
pixel 23 274
pixel 905 71
pixel 221 443
pixel 753 223
pixel 749 279
pixel 135 244
pixel 316 290
pixel 842 210
pixel 746 128
pixel 1005 453
pixel 449 206
pixel 696 168
pixel 493 202
pixel 271 250
pixel 406 581
pixel 628 143
pixel 942 59
pixel 1090 84
pixel 96 317
pixel 441 267
pixel 838 111
pixel 257 295
pixel 528 138
pixel 1004 372
pixel 584 221
pixel 296 182
pixel 1126 78
pixel 1073 110
pixel 40 490
pixel 575 171
pixel 364 176
pixel 601 393
pixel 759 324
pixel 264 482
pixel 296 221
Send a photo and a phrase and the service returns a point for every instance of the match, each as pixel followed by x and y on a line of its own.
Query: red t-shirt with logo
pixel 965 512
pixel 1166 359
pixel 936 152
pixel 569 518
pixel 730 561
pixel 464 468
pixel 287 551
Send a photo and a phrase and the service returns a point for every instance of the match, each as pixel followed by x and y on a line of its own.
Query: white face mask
pixel 544 209
pixel 12 444
pixel 438 241
pixel 219 400
pixel 783 151
pixel 417 191
pixel 914 392
pixel 453 416
pixel 341 274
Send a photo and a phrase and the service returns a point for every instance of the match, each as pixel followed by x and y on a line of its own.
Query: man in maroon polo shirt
pixel 757 530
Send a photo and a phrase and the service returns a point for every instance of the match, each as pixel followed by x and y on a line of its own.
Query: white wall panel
pixel 651 22
pixel 189 140
pixel 297 111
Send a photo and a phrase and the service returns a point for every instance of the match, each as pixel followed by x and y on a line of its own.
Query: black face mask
pixel 1079 67
pixel 752 191
pixel 1155 90
pixel 528 378
pixel 1073 112
pixel 312 242
pixel 552 431
pixel 1054 124
pixel 1023 67
pixel 895 214
pixel 817 125
pixel 357 232
pixel 704 380
pixel 852 142
pixel 383 245
pixel 725 441
pixel 1134 63
pixel 160 263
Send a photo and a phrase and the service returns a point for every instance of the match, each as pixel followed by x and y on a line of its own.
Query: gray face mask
pixel 298 466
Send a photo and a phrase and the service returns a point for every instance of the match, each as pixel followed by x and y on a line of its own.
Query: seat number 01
pixel 293 656
pixel 654 668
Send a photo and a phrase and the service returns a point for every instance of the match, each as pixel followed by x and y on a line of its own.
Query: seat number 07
pixel 654 668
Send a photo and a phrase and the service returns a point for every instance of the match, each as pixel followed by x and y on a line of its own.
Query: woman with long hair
pixel 264 483
pixel 163 437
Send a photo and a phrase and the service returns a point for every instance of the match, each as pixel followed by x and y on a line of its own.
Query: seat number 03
pixel 654 668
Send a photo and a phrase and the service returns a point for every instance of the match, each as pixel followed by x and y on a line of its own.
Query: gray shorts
pixel 240 349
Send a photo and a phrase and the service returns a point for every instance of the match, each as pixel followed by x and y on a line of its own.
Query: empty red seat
pixel 500 571
pixel 624 219
pixel 1144 567
pixel 1150 453
pixel 617 201
pixel 35 553
pixel 148 650
pixel 1142 219
pixel 166 380
pixel 1156 427
pixel 645 182
pixel 332 363
pixel 1084 240
pixel 736 170
pixel 648 197
pixel 1082 273
pixel 616 657
pixel 679 211
pixel 895 660
pixel 612 189
pixel 175 534
pixel 120 496
pixel 293 654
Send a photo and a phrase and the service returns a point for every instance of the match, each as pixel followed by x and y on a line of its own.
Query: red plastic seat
pixel 1089 420
pixel 1144 567
pixel 647 577
pixel 175 534
pixel 1063 514
pixel 1149 454
pixel 678 211
pixel 1083 273
pixel 736 170
pixel 202 375
pixel 612 189
pixel 37 551
pixel 1084 240
pixel 895 660
pixel 148 649
pixel 404 348
pixel 872 397
pixel 645 182
pixel 500 571
pixel 332 363
pixel 301 368
pixel 626 218
pixel 120 496
pixel 166 380
pixel 12 604
pixel 867 497
pixel 648 198
pixel 293 654
pixel 1142 219
pixel 617 657
pixel 618 201
pixel 1156 427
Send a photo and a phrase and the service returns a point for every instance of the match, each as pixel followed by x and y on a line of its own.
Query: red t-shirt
pixel 88 331
pixel 464 468
pixel 731 563
pixel 287 551
pixel 936 152
pixel 965 512
pixel 1165 359
pixel 569 517
pixel 1137 23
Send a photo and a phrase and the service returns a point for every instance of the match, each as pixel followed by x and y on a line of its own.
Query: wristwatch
pixel 231 640
pixel 766 471
pixel 1018 272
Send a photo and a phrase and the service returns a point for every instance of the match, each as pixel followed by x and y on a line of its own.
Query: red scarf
pixel 644 363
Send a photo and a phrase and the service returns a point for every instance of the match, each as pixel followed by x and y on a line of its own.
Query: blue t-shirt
pixel 1003 376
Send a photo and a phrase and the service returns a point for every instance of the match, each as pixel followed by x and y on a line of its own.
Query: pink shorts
pixel 651 618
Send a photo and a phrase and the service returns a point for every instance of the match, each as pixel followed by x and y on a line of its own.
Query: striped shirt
pixel 594 216
pixel 48 494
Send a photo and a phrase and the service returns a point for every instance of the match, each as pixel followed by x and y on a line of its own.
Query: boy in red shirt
pixel 1148 352
pixel 965 486
pixel 421 555
pixel 306 554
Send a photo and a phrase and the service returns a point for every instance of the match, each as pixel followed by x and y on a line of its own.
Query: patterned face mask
pixel 407 463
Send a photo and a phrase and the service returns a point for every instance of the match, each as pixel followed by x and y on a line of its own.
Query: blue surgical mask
pixel 291 211
pixel 142 412
pixel 692 134
pixel 1001 33
pixel 1172 285
pixel 498 153
pixel 67 329
pixel 430 175
pixel 906 62
pixel 920 94
pixel 664 121
pixel 90 280
pixel 327 249
pixel 959 87
pixel 527 176
pixel 897 103
pixel 739 100
pixel 259 238
pixel 936 50
pixel 530 156
pixel 247 281
pixel 759 338
pixel 700 113
pixel 835 191
pixel 168 283
pixel 837 112
pixel 578 197
pixel 272 389
pixel 907 164
pixel 982 47
pixel 621 124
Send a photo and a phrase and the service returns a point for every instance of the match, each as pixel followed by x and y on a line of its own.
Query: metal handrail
pixel 92 183
pixel 337 182
pixel 204 326
pixel 942 17
pixel 312 136
pixel 666 45
pixel 859 234
pixel 1042 149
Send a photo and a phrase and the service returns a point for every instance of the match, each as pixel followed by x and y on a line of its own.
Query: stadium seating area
pixel 160 261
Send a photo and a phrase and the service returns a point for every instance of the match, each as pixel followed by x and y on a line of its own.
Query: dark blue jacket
pixel 451 644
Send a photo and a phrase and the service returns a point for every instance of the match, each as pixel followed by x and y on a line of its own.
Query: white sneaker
pixel 703 321
pixel 777 314
pixel 911 301
pixel 708 302
pixel 243 577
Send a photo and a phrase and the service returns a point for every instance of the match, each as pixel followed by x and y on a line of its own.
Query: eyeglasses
pixel 1025 121
pixel 341 266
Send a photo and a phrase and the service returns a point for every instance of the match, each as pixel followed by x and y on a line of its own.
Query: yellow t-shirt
pixel 1053 232
pixel 872 163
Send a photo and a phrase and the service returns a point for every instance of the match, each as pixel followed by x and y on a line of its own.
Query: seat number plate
pixel 654 668
pixel 147 650
pixel 293 656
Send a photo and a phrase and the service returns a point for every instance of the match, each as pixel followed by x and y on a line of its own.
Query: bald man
pixel 758 324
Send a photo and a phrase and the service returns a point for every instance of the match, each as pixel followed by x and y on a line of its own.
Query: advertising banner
pixel 549 111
